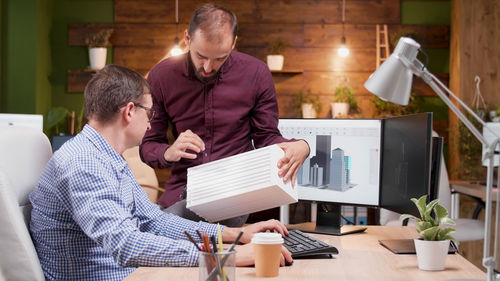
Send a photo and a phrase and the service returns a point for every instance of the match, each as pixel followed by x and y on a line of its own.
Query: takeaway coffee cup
pixel 267 250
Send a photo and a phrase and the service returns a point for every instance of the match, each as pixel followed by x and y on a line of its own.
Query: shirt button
pixel 180 196
pixel 206 154
pixel 207 108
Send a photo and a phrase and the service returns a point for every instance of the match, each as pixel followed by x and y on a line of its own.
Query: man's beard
pixel 197 72
pixel 204 78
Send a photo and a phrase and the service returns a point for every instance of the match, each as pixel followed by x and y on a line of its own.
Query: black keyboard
pixel 303 245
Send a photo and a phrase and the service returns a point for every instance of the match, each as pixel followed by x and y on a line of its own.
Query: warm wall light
pixel 176 50
pixel 392 82
pixel 343 51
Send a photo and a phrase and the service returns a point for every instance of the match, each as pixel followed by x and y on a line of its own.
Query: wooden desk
pixel 472 189
pixel 360 257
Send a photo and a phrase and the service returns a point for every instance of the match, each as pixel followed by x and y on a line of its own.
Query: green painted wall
pixel 25 56
pixel 20 59
pixel 35 55
pixel 429 12
pixel 65 57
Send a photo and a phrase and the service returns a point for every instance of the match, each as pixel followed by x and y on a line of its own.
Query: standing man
pixel 220 103
pixel 90 218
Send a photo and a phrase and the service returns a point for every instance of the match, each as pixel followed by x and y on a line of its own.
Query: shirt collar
pixel 103 146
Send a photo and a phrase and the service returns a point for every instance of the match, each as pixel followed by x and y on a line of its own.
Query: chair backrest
pixel 24 152
pixel 144 174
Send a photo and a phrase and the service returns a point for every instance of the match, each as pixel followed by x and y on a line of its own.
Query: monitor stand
pixel 328 221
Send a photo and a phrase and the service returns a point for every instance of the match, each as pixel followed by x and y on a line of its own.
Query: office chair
pixel 466 229
pixel 144 174
pixel 24 153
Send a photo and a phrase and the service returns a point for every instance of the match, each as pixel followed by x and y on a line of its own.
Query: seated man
pixel 90 218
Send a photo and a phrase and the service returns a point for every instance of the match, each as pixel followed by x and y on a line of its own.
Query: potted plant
pixel 307 103
pixel 276 49
pixel 343 100
pixel 435 235
pixel 97 43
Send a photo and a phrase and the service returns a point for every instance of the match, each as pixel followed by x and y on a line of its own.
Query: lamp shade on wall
pixel 392 80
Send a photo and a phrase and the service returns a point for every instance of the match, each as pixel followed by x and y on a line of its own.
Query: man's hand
pixel 186 140
pixel 295 154
pixel 246 257
pixel 230 233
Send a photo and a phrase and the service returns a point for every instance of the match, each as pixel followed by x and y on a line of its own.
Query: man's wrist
pixel 229 233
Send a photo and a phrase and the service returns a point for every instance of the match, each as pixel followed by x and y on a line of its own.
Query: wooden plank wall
pixel 475 50
pixel 145 31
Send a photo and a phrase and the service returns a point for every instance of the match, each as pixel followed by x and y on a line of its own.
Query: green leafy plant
pixel 276 47
pixel 100 38
pixel 56 118
pixel 301 97
pixel 388 109
pixel 345 94
pixel 433 217
pixel 470 165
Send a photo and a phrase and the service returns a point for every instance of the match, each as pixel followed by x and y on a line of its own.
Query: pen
pixel 235 241
pixel 199 234
pixel 214 244
pixel 192 240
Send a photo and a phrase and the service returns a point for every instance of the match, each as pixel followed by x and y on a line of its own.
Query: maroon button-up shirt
pixel 237 107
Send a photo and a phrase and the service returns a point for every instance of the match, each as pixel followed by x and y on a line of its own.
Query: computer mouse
pixel 288 263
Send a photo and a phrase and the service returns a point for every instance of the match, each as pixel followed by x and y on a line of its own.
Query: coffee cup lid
pixel 267 238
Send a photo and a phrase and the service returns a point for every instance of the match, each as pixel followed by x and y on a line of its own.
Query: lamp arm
pixel 429 79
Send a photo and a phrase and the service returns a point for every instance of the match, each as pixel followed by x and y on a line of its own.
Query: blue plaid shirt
pixel 92 221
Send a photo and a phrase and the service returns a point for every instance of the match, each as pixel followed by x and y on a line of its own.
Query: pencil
pixel 221 249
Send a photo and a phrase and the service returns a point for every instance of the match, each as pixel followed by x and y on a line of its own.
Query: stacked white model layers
pixel 238 185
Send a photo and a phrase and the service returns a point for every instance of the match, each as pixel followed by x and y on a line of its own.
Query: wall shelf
pixel 78 79
pixel 287 72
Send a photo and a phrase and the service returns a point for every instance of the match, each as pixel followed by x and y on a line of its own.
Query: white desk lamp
pixel 392 82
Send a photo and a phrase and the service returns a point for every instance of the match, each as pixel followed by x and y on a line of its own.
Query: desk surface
pixel 360 257
pixel 473 189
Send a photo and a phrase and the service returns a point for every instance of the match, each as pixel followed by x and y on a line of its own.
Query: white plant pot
pixel 431 255
pixel 275 62
pixel 97 57
pixel 339 109
pixel 308 111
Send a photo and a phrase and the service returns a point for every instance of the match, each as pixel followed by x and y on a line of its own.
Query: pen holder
pixel 217 266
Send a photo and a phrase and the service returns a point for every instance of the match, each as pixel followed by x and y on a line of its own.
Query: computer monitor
pixel 25 120
pixel 406 162
pixel 362 162
pixel 343 166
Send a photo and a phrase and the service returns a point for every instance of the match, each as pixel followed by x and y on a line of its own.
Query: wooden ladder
pixel 382 44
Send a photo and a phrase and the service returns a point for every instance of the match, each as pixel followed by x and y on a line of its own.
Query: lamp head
pixel 392 80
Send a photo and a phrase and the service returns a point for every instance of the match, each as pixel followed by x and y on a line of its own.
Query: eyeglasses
pixel 150 112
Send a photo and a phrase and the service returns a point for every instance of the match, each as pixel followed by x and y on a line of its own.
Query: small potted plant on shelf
pixel 97 41
pixel 276 49
pixel 434 231
pixel 343 100
pixel 307 103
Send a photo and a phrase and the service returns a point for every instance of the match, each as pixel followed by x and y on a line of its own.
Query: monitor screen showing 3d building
pixel 344 163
